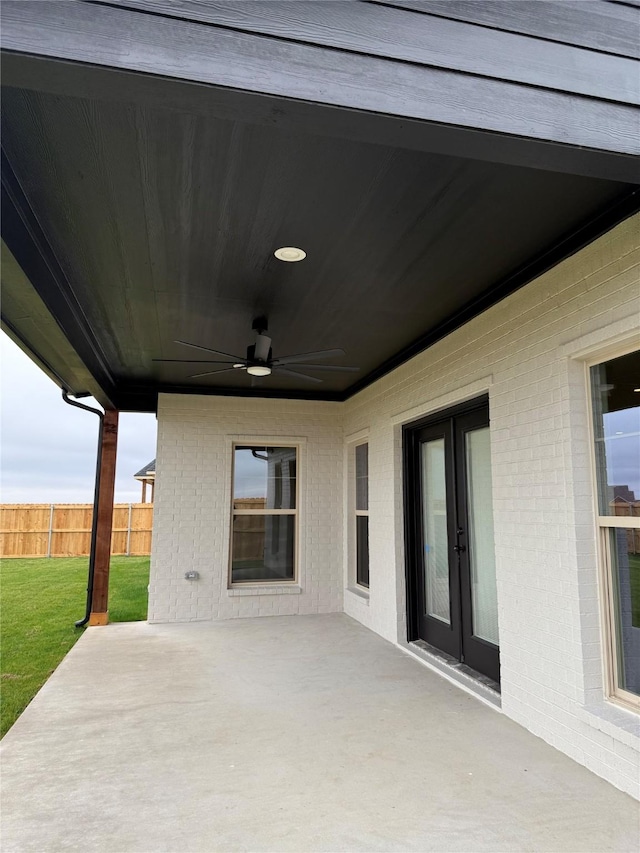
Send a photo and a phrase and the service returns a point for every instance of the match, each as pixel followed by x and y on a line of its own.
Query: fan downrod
pixel 260 325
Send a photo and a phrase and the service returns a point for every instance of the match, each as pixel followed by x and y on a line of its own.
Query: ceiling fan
pixel 260 361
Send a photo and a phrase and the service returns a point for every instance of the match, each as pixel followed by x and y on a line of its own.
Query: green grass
pixel 41 600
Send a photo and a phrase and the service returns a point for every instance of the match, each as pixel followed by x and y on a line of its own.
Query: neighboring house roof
pixel 623 493
pixel 148 472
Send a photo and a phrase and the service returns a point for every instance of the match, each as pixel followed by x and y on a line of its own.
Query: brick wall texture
pixel 528 354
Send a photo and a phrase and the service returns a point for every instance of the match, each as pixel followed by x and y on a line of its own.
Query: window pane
pixel 616 413
pixel 434 520
pixel 264 478
pixel 362 477
pixel 484 597
pixel 362 550
pixel 263 548
pixel 625 562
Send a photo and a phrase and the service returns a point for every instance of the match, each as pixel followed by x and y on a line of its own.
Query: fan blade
pixel 334 367
pixel 211 372
pixel 208 349
pixel 296 374
pixel 303 356
pixel 190 361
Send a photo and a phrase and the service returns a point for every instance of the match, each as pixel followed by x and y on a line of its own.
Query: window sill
pixel 360 593
pixel 265 589
pixel 621 724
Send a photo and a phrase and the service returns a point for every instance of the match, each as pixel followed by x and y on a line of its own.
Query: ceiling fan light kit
pixel 259 370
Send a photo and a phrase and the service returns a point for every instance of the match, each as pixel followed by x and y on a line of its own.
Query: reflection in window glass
pixel 362 476
pixel 362 550
pixel 263 548
pixel 482 558
pixel 264 478
pixel 434 520
pixel 625 559
pixel 616 414
pixel 263 540
pixel 615 396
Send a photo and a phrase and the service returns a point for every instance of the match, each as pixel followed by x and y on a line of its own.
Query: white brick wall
pixel 523 352
pixel 192 513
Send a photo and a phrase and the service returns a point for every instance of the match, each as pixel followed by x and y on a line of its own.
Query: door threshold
pixel 483 686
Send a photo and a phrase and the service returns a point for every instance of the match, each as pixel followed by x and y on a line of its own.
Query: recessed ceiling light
pixel 259 370
pixel 290 254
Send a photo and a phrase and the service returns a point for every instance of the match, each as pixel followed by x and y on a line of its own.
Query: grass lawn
pixel 41 600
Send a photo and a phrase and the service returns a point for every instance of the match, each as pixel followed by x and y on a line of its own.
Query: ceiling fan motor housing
pixel 261 351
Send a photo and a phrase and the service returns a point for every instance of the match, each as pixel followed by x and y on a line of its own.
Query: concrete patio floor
pixel 284 733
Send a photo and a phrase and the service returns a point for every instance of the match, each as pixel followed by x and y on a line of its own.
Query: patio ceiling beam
pixel 192 66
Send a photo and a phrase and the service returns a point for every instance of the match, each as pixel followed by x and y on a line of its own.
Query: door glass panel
pixel 434 525
pixel 484 599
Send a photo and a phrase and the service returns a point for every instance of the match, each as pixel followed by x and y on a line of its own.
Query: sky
pixel 622 447
pixel 48 449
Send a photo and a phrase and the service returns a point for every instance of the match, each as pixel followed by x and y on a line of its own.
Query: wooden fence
pixel 64 530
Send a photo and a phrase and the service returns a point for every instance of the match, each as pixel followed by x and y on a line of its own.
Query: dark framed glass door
pixel 452 602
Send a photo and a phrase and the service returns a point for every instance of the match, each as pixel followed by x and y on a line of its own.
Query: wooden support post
pixel 104 523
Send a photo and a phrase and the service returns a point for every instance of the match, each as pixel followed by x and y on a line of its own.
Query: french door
pixel 451 581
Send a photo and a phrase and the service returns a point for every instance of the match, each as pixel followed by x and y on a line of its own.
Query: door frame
pixel 411 505
pixel 480 654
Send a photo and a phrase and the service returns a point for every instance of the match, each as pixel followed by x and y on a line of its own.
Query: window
pixel 615 395
pixel 263 537
pixel 362 514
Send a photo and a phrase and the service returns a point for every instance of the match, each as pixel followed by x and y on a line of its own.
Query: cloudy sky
pixel 622 447
pixel 48 449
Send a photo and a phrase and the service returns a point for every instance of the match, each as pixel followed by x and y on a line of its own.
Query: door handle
pixel 459 548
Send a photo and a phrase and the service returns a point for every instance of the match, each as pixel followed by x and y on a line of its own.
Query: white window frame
pixel 259 442
pixel 605 523
pixel 351 441
pixel 359 513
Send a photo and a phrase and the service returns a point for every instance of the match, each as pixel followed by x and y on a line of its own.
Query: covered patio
pixel 376 272
pixel 284 733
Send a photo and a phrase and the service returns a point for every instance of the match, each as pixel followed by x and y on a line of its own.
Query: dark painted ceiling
pixel 165 226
